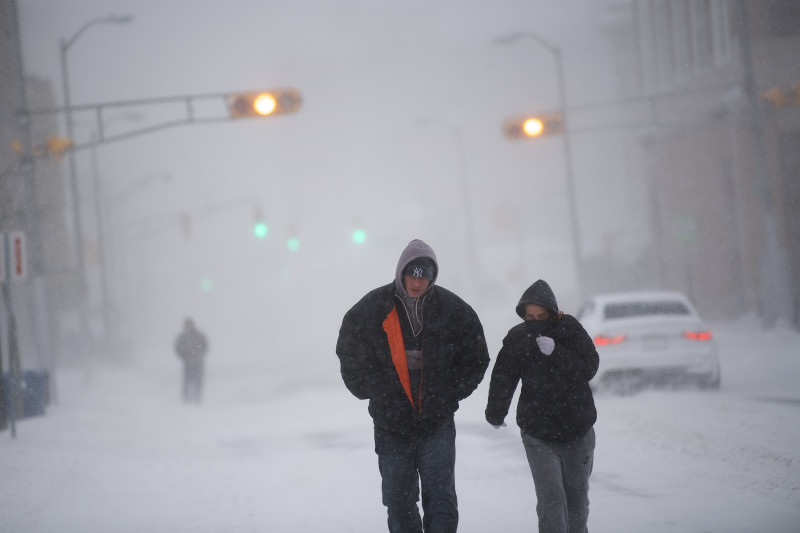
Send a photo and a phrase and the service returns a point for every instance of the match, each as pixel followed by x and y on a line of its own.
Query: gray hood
pixel 415 249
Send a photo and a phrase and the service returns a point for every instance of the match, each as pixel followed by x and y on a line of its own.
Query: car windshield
pixel 631 309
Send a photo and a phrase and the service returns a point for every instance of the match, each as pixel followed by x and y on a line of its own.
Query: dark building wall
pixel 11 101
pixel 775 41
pixel 711 193
pixel 32 200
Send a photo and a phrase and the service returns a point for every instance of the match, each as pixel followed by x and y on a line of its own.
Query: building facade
pixel 32 201
pixel 719 157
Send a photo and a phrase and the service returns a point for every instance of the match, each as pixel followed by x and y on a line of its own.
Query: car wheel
pixel 710 382
pixel 623 383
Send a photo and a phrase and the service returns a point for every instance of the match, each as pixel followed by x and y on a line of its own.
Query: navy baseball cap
pixel 422 267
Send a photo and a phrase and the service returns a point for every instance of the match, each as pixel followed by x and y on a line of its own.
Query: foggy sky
pixel 389 91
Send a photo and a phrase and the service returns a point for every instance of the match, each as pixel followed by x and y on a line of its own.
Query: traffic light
pixel 292 242
pixel 776 96
pixel 186 225
pixel 206 285
pixel 56 146
pixel 260 228
pixel 533 126
pixel 264 103
pixel 359 236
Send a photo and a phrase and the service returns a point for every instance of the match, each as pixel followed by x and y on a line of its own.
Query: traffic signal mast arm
pixel 225 107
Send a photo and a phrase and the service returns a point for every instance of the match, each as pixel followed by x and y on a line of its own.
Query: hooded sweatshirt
pixel 413 308
pixel 539 293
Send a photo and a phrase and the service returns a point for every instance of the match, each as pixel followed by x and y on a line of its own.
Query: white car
pixel 649 338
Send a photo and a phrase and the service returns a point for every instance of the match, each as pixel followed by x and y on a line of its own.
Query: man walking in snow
pixel 414 350
pixel 191 346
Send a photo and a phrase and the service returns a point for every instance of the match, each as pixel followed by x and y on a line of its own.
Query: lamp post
pixel 80 253
pixel 775 301
pixel 462 168
pixel 562 104
pixel 98 215
pixel 97 185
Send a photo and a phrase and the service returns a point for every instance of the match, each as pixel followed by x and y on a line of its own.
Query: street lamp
pixel 97 185
pixel 562 100
pixel 462 167
pixel 64 47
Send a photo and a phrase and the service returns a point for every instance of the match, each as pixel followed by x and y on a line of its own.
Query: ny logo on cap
pixel 417 272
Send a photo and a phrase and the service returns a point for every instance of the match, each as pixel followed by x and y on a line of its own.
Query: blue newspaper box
pixel 35 392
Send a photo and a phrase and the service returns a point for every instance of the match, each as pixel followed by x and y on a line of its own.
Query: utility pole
pixel 772 292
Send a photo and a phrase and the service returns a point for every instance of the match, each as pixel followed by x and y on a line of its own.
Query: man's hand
pixel 546 344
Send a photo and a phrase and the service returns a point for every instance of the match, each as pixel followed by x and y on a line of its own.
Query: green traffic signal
pixel 206 285
pixel 293 244
pixel 260 230
pixel 359 236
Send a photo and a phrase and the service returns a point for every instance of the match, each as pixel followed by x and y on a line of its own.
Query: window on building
pixel 700 22
pixel 721 31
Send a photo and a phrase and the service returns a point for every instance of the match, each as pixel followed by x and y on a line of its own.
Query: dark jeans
pixel 193 382
pixel 405 464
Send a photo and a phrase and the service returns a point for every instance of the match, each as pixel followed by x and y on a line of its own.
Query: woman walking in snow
pixel 555 358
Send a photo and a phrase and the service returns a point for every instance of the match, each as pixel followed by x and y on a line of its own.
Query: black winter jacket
pixel 454 352
pixel 556 403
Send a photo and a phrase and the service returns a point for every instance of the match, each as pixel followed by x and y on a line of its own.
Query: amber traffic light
pixel 533 126
pixel 264 103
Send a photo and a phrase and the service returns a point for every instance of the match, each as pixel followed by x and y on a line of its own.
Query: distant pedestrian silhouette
pixel 191 346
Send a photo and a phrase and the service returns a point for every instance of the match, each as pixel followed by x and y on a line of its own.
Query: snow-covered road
pixel 271 451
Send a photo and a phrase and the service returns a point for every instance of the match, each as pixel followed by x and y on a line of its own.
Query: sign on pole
pixel 17 262
pixel 14 268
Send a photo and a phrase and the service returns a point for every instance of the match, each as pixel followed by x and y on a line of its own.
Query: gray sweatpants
pixel 561 479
